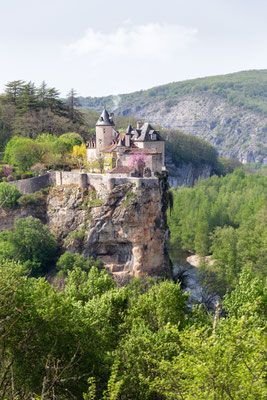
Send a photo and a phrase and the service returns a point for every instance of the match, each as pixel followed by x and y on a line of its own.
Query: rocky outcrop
pixel 126 226
pixel 9 216
pixel 236 132
pixel 186 174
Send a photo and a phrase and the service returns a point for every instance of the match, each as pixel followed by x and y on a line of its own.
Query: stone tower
pixel 104 130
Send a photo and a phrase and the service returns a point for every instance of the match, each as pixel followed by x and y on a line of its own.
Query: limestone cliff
pixel 186 174
pixel 124 226
pixel 235 131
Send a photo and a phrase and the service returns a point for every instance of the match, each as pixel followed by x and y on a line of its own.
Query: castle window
pixel 99 141
pixel 104 130
pixel 153 136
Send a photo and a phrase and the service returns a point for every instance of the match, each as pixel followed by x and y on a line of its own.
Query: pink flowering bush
pixel 138 161
pixel 7 171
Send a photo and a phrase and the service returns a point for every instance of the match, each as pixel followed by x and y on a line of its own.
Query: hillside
pixel 230 111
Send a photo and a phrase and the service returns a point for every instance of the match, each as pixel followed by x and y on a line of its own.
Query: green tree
pixel 31 243
pixel 223 363
pixel 13 91
pixel 9 195
pixel 69 261
pixel 50 335
pixel 73 102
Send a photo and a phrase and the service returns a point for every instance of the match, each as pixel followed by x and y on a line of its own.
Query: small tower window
pixel 100 141
pixel 104 130
pixel 153 136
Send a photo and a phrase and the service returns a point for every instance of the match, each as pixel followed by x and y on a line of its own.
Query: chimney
pixel 127 139
pixel 139 124
pixel 111 116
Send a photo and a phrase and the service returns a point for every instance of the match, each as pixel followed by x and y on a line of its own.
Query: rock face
pixel 126 227
pixel 186 174
pixel 9 216
pixel 236 132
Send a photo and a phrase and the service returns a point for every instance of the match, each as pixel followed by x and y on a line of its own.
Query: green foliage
pixel 71 139
pixel 95 341
pixel 129 196
pixel 69 261
pixel 35 199
pixel 228 366
pixel 47 150
pixel 29 111
pixel 224 216
pixel 83 285
pixel 9 195
pixel 189 149
pixel 249 298
pixel 30 242
pixel 49 334
pixel 92 200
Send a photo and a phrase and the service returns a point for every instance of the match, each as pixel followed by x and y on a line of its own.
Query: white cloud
pixel 143 42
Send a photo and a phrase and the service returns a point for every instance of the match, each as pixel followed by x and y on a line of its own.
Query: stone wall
pixel 99 182
pixel 31 185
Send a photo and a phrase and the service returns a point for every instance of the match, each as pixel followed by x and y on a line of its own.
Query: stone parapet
pixel 97 181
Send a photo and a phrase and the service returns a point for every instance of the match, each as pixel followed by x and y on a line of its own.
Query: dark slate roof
pixel 104 119
pixel 136 134
pixel 145 134
pixel 120 144
pixel 129 129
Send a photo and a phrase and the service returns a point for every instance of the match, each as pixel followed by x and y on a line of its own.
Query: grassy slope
pixel 247 88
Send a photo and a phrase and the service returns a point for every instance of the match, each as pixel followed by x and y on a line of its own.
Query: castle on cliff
pixel 136 152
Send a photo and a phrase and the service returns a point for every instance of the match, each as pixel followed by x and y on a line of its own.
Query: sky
pixel 106 47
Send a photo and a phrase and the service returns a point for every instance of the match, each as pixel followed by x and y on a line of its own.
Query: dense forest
pixel 225 217
pixel 246 89
pixel 96 341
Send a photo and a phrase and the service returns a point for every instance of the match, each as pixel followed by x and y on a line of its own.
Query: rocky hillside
pixel 126 227
pixel 229 111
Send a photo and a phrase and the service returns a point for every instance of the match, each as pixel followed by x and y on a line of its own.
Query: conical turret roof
pixel 104 119
pixel 120 144
pixel 129 129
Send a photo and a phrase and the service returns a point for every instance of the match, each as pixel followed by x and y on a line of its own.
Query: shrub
pixel 36 199
pixel 38 169
pixel 69 261
pixel 9 195
pixel 27 175
pixel 30 242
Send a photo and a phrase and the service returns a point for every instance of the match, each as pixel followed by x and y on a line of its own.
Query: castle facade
pixel 136 152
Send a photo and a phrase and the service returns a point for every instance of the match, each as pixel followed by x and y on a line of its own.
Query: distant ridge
pixel 245 88
pixel 230 111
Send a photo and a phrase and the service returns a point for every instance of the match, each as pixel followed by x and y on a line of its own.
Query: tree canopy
pixel 225 217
